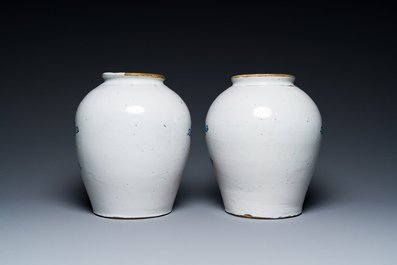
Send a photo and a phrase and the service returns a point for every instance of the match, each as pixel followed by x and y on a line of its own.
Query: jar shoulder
pixel 250 99
pixel 105 98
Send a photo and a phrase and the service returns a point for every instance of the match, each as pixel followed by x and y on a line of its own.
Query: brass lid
pixel 134 74
pixel 145 74
pixel 262 75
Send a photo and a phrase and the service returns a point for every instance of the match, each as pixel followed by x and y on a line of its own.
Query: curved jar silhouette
pixel 263 136
pixel 132 140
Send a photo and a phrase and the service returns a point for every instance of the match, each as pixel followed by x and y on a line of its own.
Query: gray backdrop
pixel 342 56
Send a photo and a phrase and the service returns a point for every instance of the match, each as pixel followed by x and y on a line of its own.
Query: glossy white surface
pixel 132 140
pixel 263 136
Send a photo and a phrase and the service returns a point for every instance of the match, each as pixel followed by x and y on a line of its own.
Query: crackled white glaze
pixel 263 135
pixel 132 140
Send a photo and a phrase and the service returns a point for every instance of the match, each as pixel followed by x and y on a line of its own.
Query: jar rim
pixel 133 74
pixel 262 75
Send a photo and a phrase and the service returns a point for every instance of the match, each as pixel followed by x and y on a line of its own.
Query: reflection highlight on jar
pixel 135 109
pixel 262 112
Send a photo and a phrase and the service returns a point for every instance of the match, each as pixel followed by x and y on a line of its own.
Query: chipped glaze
pixel 263 136
pixel 132 139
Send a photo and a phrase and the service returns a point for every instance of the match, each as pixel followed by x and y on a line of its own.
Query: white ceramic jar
pixel 132 139
pixel 263 135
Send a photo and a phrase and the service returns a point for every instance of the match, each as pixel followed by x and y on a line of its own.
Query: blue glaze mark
pixel 321 130
pixel 76 130
pixel 79 166
pixel 189 133
pixel 206 129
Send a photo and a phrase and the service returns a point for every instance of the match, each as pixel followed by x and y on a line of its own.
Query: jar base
pixel 131 218
pixel 263 217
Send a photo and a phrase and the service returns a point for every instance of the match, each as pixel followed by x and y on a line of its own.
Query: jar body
pixel 263 135
pixel 132 141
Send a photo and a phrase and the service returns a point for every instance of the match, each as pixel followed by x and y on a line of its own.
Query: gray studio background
pixel 342 56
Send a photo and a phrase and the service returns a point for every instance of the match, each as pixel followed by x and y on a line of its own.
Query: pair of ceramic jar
pixel 133 137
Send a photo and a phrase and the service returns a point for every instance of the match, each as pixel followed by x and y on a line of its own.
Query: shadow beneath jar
pixel 316 196
pixel 206 192
pixel 75 194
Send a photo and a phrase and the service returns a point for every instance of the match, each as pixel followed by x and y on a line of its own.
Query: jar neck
pixel 125 77
pixel 257 79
